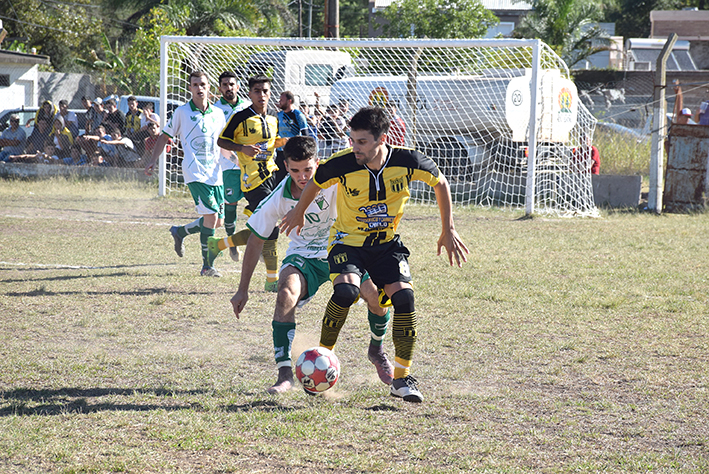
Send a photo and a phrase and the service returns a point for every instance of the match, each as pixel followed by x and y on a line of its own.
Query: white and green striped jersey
pixel 198 133
pixel 319 217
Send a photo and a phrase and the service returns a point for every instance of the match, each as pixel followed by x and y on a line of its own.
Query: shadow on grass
pixel 20 402
pixel 32 402
pixel 39 267
pixel 144 292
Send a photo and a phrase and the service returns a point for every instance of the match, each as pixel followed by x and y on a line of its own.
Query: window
pixel 318 75
pixel 4 80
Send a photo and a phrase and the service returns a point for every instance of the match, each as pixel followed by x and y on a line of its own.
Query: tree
pixel 143 55
pixel 57 30
pixel 112 64
pixel 567 26
pixel 437 19
pixel 213 17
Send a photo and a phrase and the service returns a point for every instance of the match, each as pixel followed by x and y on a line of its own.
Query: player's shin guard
pixel 403 331
pixel 283 334
pixel 204 234
pixel 270 257
pixel 230 219
pixel 378 327
pixel 343 296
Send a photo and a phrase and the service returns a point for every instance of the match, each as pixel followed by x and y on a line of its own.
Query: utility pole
pixel 332 19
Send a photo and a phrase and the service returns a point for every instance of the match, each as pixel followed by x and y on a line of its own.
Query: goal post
pixel 500 117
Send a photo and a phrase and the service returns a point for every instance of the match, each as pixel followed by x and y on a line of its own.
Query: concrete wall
pixel 23 90
pixel 616 191
pixel 41 171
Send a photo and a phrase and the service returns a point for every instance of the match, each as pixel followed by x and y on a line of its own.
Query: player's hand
pixel 250 150
pixel 238 302
pixel 292 220
pixel 149 168
pixel 454 246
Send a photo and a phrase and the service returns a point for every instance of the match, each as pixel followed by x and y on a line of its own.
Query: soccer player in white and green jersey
pixel 304 268
pixel 197 125
pixel 230 103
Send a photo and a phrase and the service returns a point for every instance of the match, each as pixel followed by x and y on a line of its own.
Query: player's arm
pixel 449 237
pixel 254 246
pixel 295 217
pixel 162 140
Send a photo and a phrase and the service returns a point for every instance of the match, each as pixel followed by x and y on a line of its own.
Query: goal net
pixel 501 118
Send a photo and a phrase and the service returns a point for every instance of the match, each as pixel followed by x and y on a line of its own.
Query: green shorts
pixel 315 271
pixel 232 186
pixel 207 199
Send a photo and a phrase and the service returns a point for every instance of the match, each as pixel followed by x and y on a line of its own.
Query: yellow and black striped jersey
pixel 370 203
pixel 249 128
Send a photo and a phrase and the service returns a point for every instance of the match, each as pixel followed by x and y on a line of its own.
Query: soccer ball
pixel 317 369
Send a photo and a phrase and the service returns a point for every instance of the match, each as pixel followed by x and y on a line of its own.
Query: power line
pixel 35 24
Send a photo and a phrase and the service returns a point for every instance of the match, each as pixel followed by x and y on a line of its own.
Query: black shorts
pixel 258 194
pixel 386 263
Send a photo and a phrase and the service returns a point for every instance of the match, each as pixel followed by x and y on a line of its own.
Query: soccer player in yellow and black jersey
pixel 374 181
pixel 253 135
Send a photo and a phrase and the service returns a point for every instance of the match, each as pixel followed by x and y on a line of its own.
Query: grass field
pixel 563 345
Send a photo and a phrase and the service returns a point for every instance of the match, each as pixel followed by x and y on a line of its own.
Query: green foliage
pixel 437 19
pixel 210 17
pixel 143 55
pixel 632 17
pixel 57 30
pixel 566 26
pixel 354 18
pixel 110 68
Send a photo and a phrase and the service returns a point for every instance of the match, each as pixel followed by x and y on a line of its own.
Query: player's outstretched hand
pixel 238 302
pixel 292 220
pixel 454 246
pixel 149 168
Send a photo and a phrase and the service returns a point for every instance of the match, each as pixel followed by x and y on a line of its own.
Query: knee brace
pixel 403 301
pixel 345 294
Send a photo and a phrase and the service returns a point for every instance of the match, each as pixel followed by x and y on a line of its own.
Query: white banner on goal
pixel 501 118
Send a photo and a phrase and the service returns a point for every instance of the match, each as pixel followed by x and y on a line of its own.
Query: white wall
pixel 23 89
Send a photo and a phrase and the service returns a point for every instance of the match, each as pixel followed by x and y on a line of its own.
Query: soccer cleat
pixel 234 253
pixel 284 382
pixel 271 286
pixel 179 242
pixel 213 247
pixel 210 272
pixel 406 388
pixel 384 368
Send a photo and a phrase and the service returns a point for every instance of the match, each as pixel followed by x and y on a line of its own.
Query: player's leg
pixel 232 195
pixel 378 324
pixel 346 274
pixel 390 271
pixel 291 288
pixel 270 258
pixel 180 232
pixel 209 202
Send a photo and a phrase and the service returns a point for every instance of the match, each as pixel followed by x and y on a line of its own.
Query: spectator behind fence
pixel 48 111
pixel 123 153
pixel 41 134
pixel 62 137
pixel 13 139
pixel 702 114
pixel 71 121
pixel 94 116
pixel 113 117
